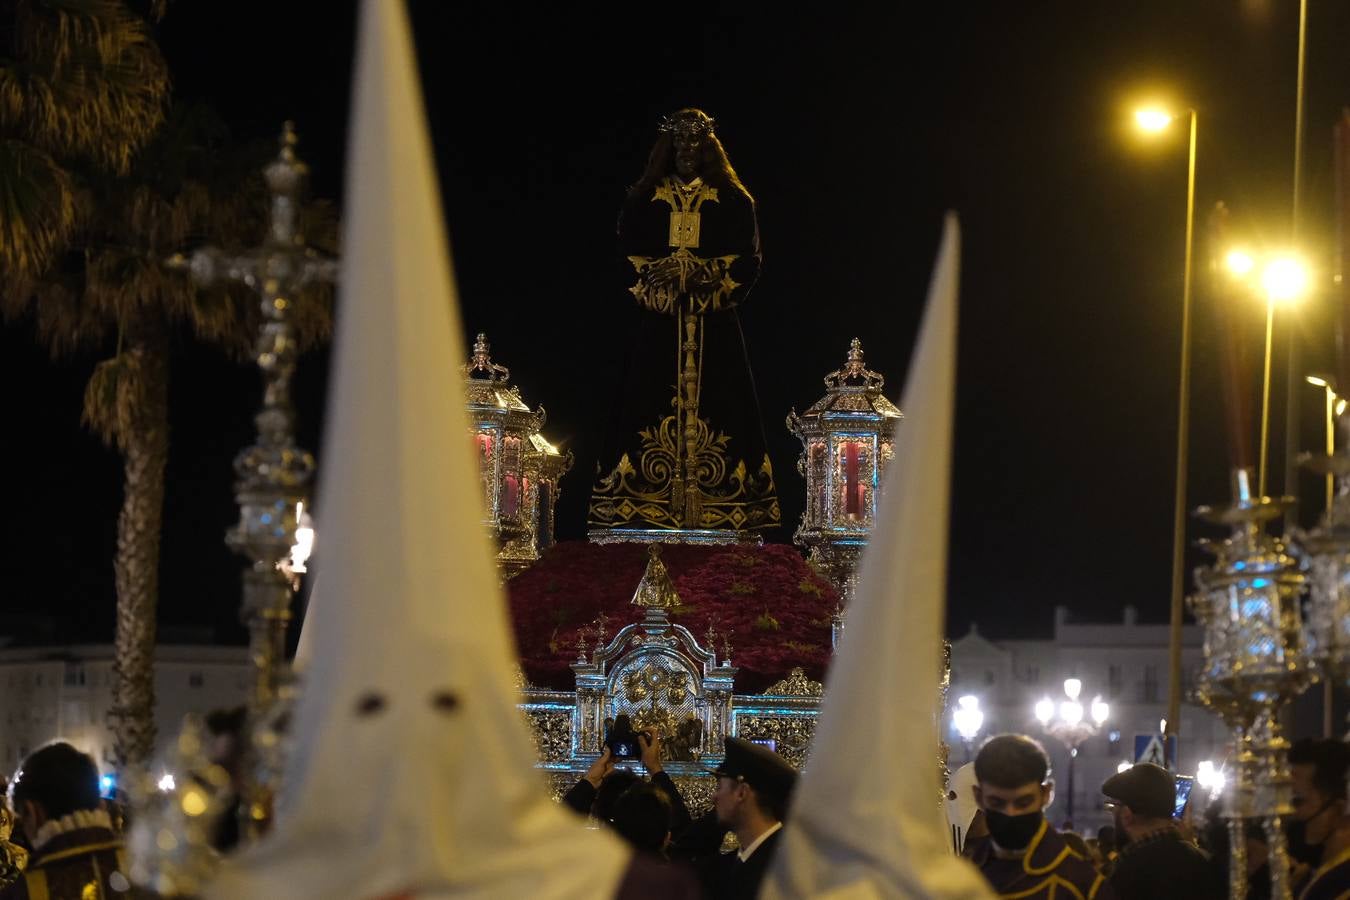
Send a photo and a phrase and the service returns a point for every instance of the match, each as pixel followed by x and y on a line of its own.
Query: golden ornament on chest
pixel 684 226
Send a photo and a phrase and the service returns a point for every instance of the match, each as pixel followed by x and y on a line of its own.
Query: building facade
pixel 65 693
pixel 1126 662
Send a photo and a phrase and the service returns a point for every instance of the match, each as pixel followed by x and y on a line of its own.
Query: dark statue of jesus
pixel 688 225
pixel 689 236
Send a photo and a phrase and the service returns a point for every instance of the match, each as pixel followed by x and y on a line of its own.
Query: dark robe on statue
pixel 686 352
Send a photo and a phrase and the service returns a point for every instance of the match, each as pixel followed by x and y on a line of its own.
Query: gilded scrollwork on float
pixel 731 497
pixel 697 791
pixel 664 679
pixel 551 731
pixel 791 734
pixel 797 685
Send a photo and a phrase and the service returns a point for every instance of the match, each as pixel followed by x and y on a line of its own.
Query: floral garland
pixel 766 601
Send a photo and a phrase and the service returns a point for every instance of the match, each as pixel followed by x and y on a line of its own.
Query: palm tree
pixel 82 86
pixel 83 241
pixel 187 187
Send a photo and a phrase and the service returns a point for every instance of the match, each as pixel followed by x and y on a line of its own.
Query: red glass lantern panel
pixel 851 463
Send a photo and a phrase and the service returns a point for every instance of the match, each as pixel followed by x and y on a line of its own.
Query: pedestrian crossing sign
pixel 1161 750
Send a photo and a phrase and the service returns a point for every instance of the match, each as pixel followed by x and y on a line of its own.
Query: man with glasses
pixel 1155 862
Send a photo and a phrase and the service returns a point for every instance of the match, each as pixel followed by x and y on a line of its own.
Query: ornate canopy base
pixel 708 537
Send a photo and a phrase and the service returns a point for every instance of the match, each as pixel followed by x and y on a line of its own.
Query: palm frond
pixel 87 81
pixel 37 208
pixel 63 319
pixel 110 399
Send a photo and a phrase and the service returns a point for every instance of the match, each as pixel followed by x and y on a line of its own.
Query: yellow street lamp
pixel 1335 407
pixel 1153 120
pixel 1239 263
pixel 1285 280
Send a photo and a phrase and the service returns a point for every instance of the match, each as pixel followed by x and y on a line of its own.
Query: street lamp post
pixel 968 719
pixel 1334 405
pixel 1066 723
pixel 1284 280
pixel 1156 120
pixel 1328 384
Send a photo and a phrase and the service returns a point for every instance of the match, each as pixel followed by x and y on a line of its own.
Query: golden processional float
pixel 675 559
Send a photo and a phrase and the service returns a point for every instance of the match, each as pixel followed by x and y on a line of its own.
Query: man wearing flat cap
pixel 754 785
pixel 1156 862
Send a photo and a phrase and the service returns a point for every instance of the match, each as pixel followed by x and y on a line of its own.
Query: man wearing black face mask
pixel 1155 862
pixel 1023 856
pixel 1319 830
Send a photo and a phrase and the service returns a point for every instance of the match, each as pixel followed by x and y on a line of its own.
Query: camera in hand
pixel 622 740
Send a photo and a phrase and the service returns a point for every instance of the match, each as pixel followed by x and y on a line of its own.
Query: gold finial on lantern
pixel 482 366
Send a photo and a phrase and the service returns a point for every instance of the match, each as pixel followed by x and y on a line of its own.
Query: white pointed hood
pixel 864 826
pixel 412 774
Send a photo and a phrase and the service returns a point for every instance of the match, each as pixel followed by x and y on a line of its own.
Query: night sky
pixel 854 131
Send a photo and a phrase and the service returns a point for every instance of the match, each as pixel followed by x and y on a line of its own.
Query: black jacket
pixel 725 877
pixel 581 796
pixel 1163 866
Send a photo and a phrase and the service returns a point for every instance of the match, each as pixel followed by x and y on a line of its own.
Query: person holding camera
pixel 602 785
pixel 1156 862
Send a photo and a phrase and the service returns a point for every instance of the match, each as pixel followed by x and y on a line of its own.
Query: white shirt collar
pixel 745 852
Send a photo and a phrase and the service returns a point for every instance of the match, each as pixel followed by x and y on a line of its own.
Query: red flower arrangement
pixel 771 606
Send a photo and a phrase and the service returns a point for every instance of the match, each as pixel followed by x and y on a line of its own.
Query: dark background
pixel 855 129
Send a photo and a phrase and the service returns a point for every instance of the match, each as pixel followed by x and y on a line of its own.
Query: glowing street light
pixel 166 782
pixel 968 719
pixel 1124 766
pixel 1285 279
pixel 1239 263
pixel 1210 777
pixel 1071 728
pixel 1153 120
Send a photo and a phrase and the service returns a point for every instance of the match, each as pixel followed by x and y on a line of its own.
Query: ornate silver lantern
pixel 1255 663
pixel 520 469
pixel 847 439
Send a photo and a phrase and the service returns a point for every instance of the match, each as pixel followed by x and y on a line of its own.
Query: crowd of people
pixel 67 839
pixel 1149 852
pixel 750 802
